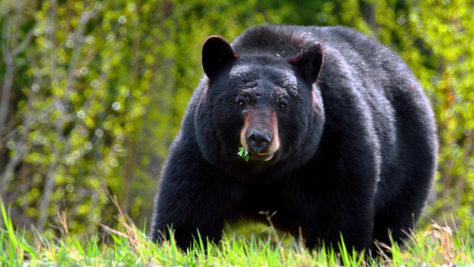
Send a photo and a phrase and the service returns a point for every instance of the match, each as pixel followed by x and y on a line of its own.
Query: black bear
pixel 340 136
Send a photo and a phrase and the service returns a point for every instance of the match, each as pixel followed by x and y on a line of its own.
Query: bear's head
pixel 267 104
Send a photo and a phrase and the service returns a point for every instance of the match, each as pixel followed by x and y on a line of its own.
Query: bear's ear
pixel 216 53
pixel 309 63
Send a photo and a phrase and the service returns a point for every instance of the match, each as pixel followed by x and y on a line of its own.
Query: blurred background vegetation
pixel 92 93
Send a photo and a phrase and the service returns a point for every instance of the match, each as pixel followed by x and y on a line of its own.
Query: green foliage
pixel 243 153
pixel 78 107
pixel 93 93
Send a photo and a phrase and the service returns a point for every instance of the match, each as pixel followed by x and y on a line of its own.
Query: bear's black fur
pixel 341 139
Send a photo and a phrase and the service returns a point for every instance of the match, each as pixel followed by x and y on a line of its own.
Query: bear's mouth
pixel 261 157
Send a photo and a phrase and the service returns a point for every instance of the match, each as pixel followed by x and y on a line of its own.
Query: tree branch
pixel 8 57
pixel 8 81
pixel 20 149
pixel 63 107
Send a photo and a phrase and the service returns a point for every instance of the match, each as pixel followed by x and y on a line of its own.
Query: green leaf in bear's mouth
pixel 243 153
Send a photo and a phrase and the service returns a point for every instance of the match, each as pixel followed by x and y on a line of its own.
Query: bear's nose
pixel 259 141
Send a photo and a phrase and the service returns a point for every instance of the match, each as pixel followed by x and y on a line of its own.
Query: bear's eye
pixel 241 103
pixel 282 105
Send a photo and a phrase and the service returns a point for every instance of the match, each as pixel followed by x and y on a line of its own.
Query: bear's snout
pixel 259 135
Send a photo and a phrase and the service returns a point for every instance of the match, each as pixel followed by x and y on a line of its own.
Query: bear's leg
pixel 398 218
pixel 355 229
pixel 192 199
pixel 327 213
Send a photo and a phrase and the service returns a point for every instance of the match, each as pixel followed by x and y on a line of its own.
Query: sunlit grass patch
pixel 126 245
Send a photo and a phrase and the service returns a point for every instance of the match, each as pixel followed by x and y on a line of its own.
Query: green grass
pixel 129 246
